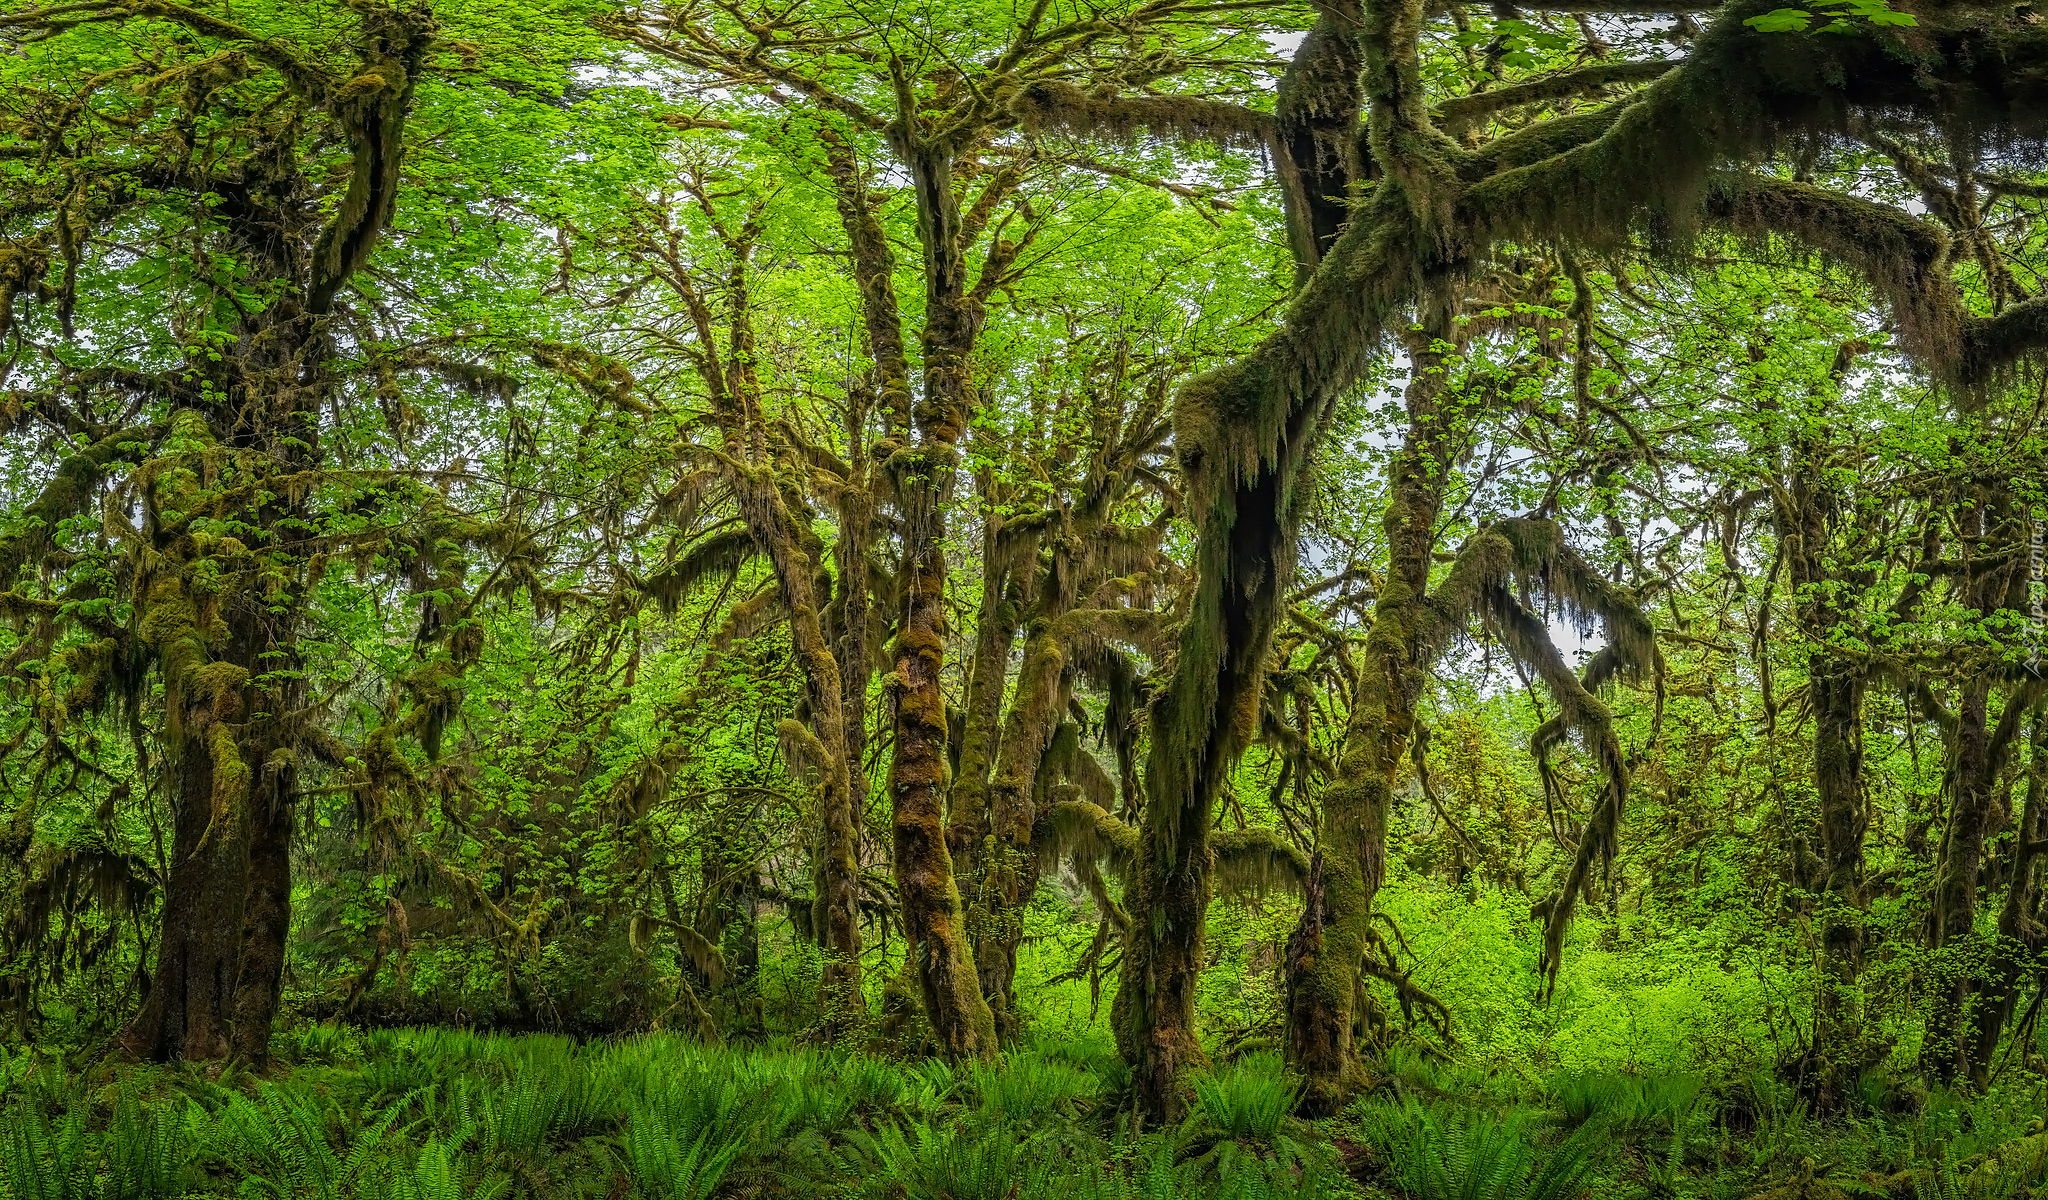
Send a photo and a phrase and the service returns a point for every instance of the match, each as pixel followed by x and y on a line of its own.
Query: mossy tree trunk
pixel 190 1008
pixel 1837 688
pixel 1010 869
pixel 2021 934
pixel 759 466
pixel 1826 549
pixel 988 675
pixel 846 622
pixel 1045 570
pixel 1991 582
pixel 1322 1036
pixel 1246 506
pixel 267 914
pixel 1244 434
pixel 225 637
pixel 1954 922
pixel 923 472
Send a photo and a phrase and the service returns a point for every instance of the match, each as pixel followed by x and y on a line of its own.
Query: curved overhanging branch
pixel 1661 163
pixel 372 108
pixel 1244 430
pixel 717 555
pixel 1459 112
pixel 1531 552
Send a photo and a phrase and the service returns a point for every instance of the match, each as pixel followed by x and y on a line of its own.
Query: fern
pixel 870 1085
pixel 439 1173
pixel 932 1084
pixel 520 1117
pixel 1248 1100
pixel 1448 1153
pixel 1027 1088
pixel 315 1043
pixel 284 1138
pixel 979 1162
pixel 668 1167
pixel 147 1151
pixel 1149 1172
pixel 582 1108
pixel 46 1161
pixel 460 1111
pixel 1273 1181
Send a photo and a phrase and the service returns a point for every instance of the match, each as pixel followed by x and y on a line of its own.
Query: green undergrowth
pixel 437 1114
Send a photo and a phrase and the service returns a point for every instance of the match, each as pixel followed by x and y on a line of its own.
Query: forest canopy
pixel 1373 549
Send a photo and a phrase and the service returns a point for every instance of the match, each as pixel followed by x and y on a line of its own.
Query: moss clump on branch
pixel 1055 106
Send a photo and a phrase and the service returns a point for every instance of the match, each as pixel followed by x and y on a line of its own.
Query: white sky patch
pixel 1283 45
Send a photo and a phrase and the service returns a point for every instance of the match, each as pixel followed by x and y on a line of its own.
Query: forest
pixel 1014 599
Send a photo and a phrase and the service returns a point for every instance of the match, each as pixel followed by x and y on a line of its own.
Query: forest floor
pixel 436 1114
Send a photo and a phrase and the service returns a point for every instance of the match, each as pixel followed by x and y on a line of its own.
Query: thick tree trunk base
pixel 266 925
pixel 189 1011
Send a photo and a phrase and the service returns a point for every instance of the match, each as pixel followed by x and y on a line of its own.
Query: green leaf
pixel 1781 20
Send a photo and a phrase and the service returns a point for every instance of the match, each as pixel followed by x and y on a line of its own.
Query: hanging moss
pixel 1592 81
pixel 1258 862
pixel 717 555
pixel 69 493
pixel 1052 105
pixel 1085 833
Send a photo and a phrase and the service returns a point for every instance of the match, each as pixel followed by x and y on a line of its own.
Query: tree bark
pixel 1008 873
pixel 2021 935
pixel 1837 688
pixel 1323 986
pixel 1954 920
pixel 190 1009
pixel 266 920
pixel 770 509
pixel 1827 585
pixel 919 773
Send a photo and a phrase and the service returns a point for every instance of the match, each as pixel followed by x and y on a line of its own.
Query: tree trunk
pixel 995 635
pixel 933 920
pixel 1156 989
pixel 1323 986
pixel 918 771
pixel 1954 920
pixel 1839 1039
pixel 853 607
pixel 189 1011
pixel 1323 972
pixel 2020 936
pixel 193 1002
pixel 266 920
pixel 1200 725
pixel 1008 873
pixel 837 911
